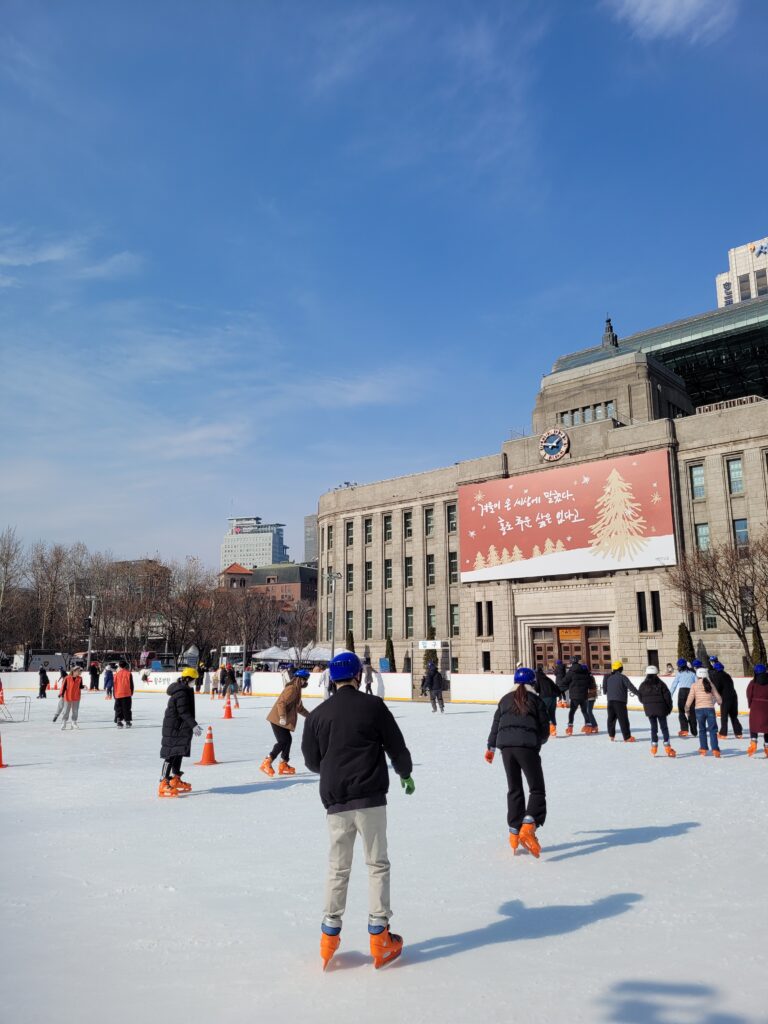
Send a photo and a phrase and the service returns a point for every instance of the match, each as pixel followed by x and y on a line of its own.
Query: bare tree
pixel 12 566
pixel 301 628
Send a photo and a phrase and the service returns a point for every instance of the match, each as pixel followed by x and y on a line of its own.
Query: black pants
pixel 754 735
pixel 283 745
pixel 687 721
pixel 519 761
pixel 583 707
pixel 617 712
pixel 550 703
pixel 659 722
pixel 730 710
pixel 436 698
pixel 41 692
pixel 123 709
pixel 171 767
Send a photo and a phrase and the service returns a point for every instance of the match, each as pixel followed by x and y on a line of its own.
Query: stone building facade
pixel 389 552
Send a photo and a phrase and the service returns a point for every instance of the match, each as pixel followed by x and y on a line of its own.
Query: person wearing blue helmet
pixel 520 728
pixel 346 741
pixel 684 679
pixel 283 718
pixel 729 709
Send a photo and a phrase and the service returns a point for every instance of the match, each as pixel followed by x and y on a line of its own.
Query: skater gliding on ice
pixel 123 689
pixel 704 697
pixel 684 679
pixel 283 718
pixel 616 687
pixel 433 684
pixel 578 680
pixel 70 694
pixel 548 691
pixel 179 726
pixel 729 709
pixel 44 684
pixel 757 699
pixel 345 740
pixel 657 704
pixel 520 729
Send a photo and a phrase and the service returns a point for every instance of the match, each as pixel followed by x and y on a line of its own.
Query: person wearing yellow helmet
pixel 179 725
pixel 616 686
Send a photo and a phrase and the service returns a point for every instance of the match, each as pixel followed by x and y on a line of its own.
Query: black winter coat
pixel 511 729
pixel 724 685
pixel 578 680
pixel 560 677
pixel 345 740
pixel 616 686
pixel 433 681
pixel 655 697
pixel 544 685
pixel 178 721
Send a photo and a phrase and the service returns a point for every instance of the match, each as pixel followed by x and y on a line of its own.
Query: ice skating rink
pixel 648 905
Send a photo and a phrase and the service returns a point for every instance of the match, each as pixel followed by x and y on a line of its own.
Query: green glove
pixel 408 785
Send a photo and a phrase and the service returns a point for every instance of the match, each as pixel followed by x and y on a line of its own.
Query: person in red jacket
pixel 70 693
pixel 123 696
pixel 757 699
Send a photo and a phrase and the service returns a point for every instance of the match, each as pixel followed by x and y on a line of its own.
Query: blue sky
pixel 251 250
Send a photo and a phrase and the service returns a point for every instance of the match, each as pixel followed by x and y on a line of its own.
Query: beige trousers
pixel 343 828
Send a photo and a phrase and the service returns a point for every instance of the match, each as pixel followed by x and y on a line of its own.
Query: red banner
pixel 576 518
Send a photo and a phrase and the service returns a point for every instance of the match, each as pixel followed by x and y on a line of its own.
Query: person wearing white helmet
pixel 657 703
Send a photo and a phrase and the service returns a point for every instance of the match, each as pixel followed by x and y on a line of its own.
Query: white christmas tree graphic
pixel 549 546
pixel 493 556
pixel 536 553
pixel 479 561
pixel 505 558
pixel 620 527
pixel 517 554
pixel 559 546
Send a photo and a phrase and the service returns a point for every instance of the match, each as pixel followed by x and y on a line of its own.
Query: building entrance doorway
pixel 591 644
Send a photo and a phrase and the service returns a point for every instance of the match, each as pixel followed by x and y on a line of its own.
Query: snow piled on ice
pixel 648 904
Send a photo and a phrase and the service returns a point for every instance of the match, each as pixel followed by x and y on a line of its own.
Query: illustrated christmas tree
pixel 536 551
pixel 493 556
pixel 517 554
pixel 549 546
pixel 479 561
pixel 505 556
pixel 619 529
pixel 560 546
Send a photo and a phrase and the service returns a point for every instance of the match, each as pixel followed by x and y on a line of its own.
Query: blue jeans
pixel 707 723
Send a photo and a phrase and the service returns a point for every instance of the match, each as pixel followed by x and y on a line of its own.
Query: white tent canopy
pixel 294 654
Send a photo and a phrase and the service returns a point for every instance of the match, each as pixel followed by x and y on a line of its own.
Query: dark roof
pixel 717 324
pixel 286 572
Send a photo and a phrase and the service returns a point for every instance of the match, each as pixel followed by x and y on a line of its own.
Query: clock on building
pixel 553 444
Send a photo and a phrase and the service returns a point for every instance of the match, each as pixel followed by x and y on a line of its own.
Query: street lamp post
pixel 332 577
pixel 92 599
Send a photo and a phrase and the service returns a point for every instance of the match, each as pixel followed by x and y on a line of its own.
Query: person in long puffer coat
pixel 757 699
pixel 657 704
pixel 548 691
pixel 729 709
pixel 179 726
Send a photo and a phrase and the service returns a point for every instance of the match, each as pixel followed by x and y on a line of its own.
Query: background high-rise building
pixel 747 274
pixel 310 538
pixel 253 543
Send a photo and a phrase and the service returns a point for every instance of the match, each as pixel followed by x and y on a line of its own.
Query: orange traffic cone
pixel 228 708
pixel 2 765
pixel 2 698
pixel 209 754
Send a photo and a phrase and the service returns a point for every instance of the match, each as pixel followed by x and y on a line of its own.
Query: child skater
pixel 520 727
pixel 757 699
pixel 179 725
pixel 657 704
pixel 704 697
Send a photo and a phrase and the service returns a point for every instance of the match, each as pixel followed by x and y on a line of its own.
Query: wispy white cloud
pixel 695 21
pixel 347 47
pixel 18 250
pixel 119 264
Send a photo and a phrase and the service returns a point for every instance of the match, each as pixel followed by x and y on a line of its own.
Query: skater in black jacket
pixel 179 725
pixel 616 687
pixel 657 704
pixel 578 681
pixel 520 728
pixel 560 684
pixel 549 692
pixel 729 709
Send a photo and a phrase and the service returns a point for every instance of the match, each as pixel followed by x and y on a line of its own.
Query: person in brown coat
pixel 283 718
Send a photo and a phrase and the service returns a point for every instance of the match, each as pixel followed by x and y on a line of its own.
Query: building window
pixel 349 533
pixel 761 282
pixel 454 613
pixel 271 579
pixel 735 476
pixel 368 530
pixel 387 623
pixel 708 616
pixel 478 618
pixel 330 538
pixel 747 601
pixel 329 579
pixel 322 538
pixel 430 570
pixel 387 573
pixel 409 621
pixel 431 617
pixel 656 611
pixel 429 522
pixel 408 570
pixel 329 625
pixel 702 536
pixel 610 410
pixel 486 660
pixel 451 519
pixel 453 567
pixel 350 577
pixel 642 614
pixel 565 419
pixel 600 411
pixel 587 413
pixel 740 532
pixel 350 622
pixel 407 524
pixel 369 575
pixel 745 290
pixel 388 526
pixel 489 618
pixel 368 624
pixel 576 414
pixel 454 664
pixel 697 482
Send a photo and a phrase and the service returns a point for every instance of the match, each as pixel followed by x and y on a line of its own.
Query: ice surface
pixel 648 904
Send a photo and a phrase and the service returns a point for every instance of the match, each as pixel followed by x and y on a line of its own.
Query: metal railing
pixel 731 403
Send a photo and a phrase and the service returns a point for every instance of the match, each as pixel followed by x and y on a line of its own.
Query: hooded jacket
pixel 757 699
pixel 578 680
pixel 655 696
pixel 178 721
pixel 288 706
pixel 724 683
pixel 432 680
pixel 616 686
pixel 512 729
pixel 544 685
